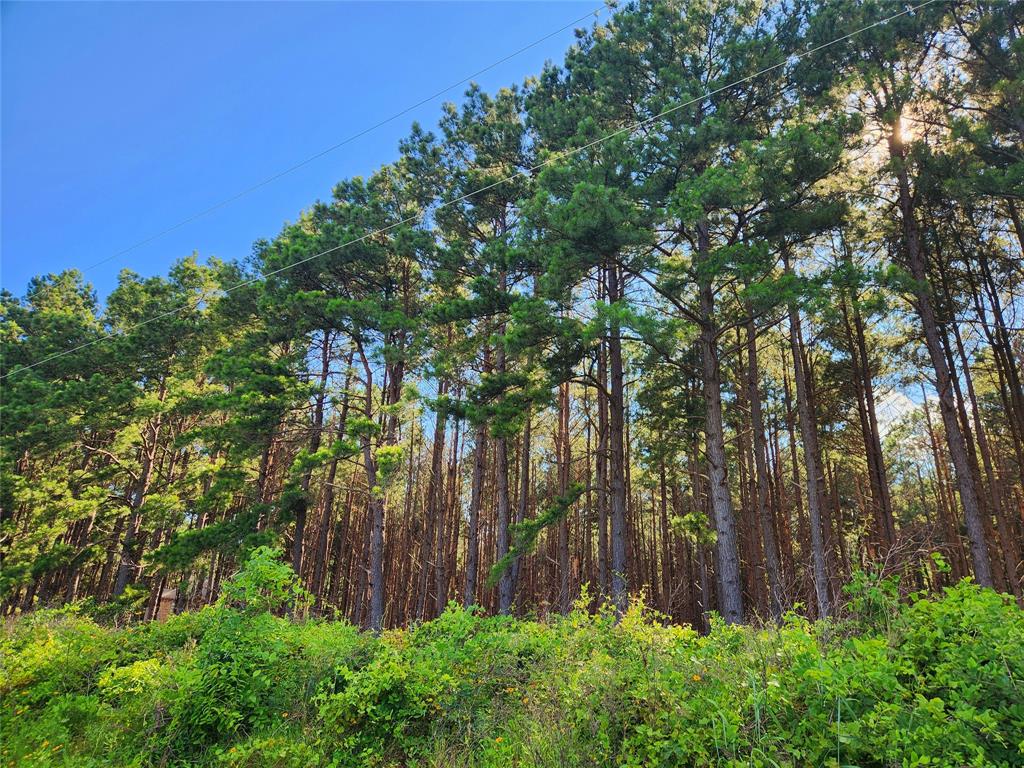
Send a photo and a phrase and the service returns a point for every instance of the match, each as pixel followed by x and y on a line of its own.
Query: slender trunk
pixel 617 452
pixel 878 481
pixel 1008 545
pixel 564 458
pixel 1008 361
pixel 667 566
pixel 945 503
pixel 947 407
pixel 727 565
pixel 131 554
pixel 342 546
pixel 601 471
pixel 75 571
pixel 524 491
pixel 764 512
pixel 389 395
pixel 480 449
pixel 438 507
pixel 430 542
pixel 301 508
pixel 503 506
pixel 453 511
pixel 812 458
pixel 327 516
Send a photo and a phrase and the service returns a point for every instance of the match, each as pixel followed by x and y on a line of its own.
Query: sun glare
pixel 907 129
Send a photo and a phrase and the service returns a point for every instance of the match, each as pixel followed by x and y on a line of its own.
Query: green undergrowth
pixel 936 681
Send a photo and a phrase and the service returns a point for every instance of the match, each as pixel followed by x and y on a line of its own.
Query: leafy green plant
pixel 871 599
pixel 264 584
pixel 929 681
pixel 244 673
pixel 381 711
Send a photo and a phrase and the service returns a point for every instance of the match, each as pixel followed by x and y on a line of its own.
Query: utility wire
pixel 342 143
pixel 524 172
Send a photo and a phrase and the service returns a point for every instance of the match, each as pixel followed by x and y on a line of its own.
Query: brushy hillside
pixel 931 681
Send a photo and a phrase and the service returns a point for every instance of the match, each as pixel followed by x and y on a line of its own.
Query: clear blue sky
pixel 121 119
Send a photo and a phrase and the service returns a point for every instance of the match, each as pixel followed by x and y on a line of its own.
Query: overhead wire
pixel 462 198
pixel 342 143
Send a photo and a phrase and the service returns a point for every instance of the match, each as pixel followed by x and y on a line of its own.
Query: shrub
pixel 284 749
pixel 380 712
pixel 932 681
pixel 243 675
pixel 49 654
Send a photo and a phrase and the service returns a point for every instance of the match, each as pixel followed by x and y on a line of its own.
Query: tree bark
pixel 564 458
pixel 302 503
pixel 812 461
pixel 917 263
pixel 764 512
pixel 727 565
pixel 129 567
pixel 617 452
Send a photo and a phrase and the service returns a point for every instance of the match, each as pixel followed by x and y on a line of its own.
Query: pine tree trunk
pixel 431 540
pixel 727 565
pixel 503 506
pixel 449 561
pixel 617 453
pixel 302 503
pixel 438 503
pixel 475 502
pixel 601 471
pixel 881 502
pixel 131 554
pixel 947 407
pixel 564 458
pixel 812 459
pixel 524 491
pixel 764 512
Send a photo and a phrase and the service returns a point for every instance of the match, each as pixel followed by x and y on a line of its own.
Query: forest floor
pixel 929 680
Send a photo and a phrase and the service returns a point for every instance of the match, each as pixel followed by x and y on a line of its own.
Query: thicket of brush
pixel 248 682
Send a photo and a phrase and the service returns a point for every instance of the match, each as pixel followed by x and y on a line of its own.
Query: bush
pixel 51 653
pixel 931 681
pixel 245 672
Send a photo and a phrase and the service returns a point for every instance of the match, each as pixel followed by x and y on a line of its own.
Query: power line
pixel 524 172
pixel 342 143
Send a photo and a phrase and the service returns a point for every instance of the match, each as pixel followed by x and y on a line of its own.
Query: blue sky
pixel 121 119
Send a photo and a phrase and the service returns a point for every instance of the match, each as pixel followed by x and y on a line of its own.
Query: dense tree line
pixel 638 325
